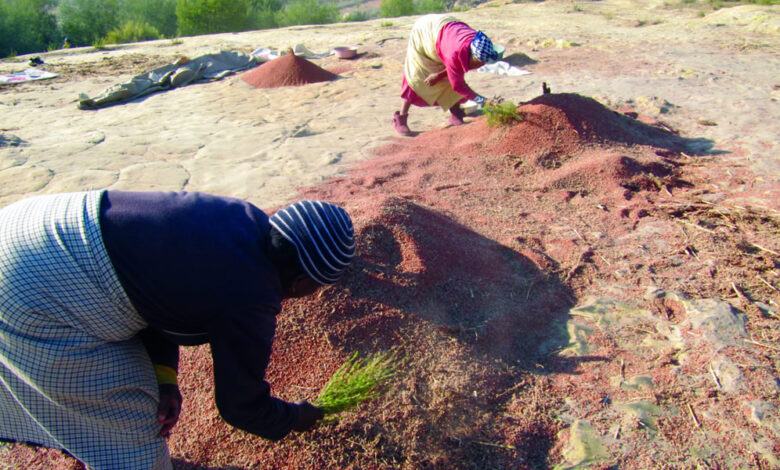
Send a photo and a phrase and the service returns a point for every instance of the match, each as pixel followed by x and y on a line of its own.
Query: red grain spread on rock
pixel 474 242
pixel 287 70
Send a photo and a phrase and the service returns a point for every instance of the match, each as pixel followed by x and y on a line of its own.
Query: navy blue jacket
pixel 195 267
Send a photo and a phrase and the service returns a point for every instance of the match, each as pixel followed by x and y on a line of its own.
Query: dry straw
pixel 357 380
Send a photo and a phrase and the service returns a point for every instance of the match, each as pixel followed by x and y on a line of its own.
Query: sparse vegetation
pixel 429 6
pixel 212 16
pixel 86 22
pixel 640 23
pixel 395 8
pixel 358 15
pixel 132 31
pixel 161 14
pixel 27 26
pixel 308 12
pixel 718 4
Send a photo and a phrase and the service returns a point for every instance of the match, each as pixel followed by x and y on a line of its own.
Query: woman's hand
pixel 308 415
pixel 431 79
pixel 482 101
pixel 169 408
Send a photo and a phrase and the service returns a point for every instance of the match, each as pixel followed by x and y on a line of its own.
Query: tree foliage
pixel 161 14
pixel 132 31
pixel 27 26
pixel 394 8
pixel 358 15
pixel 85 22
pixel 212 16
pixel 267 5
pixel 264 13
pixel 429 6
pixel 308 12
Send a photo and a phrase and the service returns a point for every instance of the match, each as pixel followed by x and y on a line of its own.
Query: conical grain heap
pixel 287 70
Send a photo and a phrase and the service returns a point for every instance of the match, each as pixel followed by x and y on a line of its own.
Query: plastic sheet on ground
pixel 502 68
pixel 303 51
pixel 180 73
pixel 264 54
pixel 25 76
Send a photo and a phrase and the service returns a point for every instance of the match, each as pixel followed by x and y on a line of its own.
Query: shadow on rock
pixel 519 59
pixel 8 140
pixel 425 265
pixel 596 122
pixel 474 319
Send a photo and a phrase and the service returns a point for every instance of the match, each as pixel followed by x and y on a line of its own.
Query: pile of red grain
pixel 287 70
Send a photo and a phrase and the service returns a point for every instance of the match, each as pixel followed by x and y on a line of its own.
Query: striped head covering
pixel 323 237
pixel 482 49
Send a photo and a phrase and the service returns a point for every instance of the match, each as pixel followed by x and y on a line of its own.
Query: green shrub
pixel 263 19
pixel 196 17
pixel 308 12
pixel 158 13
pixel 85 22
pixel 358 15
pixel 429 6
pixel 394 8
pixel 501 114
pixel 132 31
pixel 27 26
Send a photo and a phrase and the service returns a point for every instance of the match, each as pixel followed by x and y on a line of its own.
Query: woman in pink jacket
pixel 441 47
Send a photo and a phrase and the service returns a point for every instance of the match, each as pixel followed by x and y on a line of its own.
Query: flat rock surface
pixel 712 77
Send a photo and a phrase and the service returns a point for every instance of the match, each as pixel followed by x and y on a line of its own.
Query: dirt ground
pixel 593 285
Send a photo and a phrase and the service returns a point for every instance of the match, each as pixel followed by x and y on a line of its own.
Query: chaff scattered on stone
pixel 715 376
pixel 693 415
pixel 764 249
pixel 762 344
pixel 767 283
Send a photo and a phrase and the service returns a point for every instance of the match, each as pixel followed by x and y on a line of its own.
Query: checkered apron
pixel 73 373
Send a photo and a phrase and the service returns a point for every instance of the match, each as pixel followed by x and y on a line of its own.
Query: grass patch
pixel 132 31
pixel 356 381
pixel 714 5
pixel 640 23
pixel 101 45
pixel 501 114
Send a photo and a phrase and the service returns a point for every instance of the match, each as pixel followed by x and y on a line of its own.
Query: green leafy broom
pixel 503 113
pixel 356 381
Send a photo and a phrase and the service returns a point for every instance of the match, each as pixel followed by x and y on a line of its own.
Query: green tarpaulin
pixel 205 68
